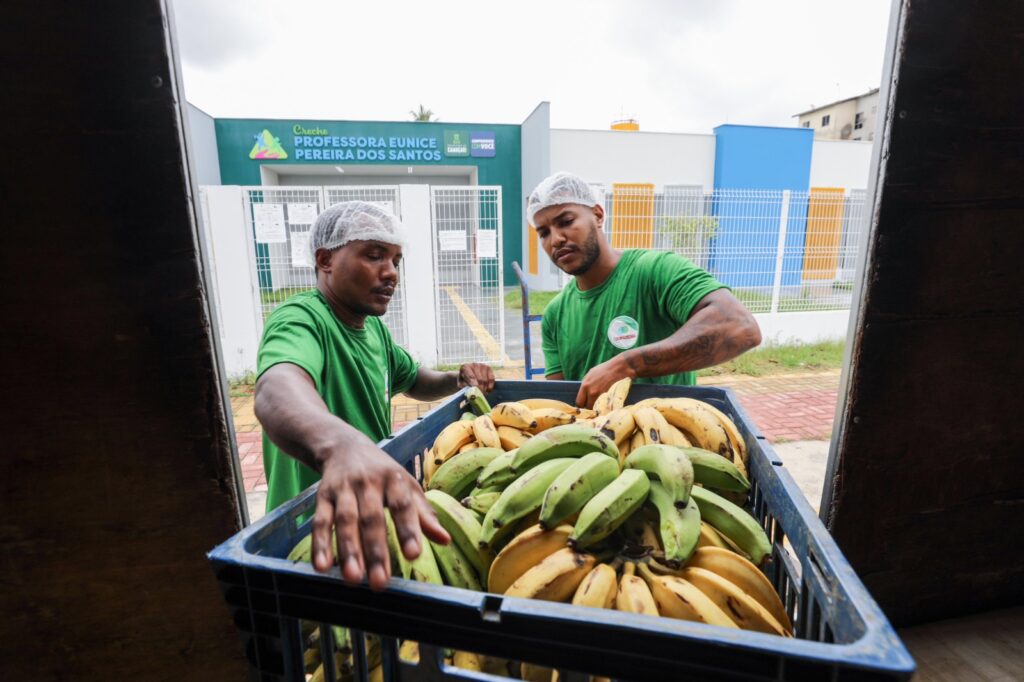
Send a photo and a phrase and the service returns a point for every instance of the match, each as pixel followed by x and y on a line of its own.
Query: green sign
pixel 456 143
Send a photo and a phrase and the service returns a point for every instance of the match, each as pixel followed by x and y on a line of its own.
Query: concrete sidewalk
pixel 794 411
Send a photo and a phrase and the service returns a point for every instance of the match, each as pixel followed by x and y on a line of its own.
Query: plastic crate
pixel 841 634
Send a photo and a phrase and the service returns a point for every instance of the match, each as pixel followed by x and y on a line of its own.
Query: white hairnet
pixel 349 221
pixel 560 188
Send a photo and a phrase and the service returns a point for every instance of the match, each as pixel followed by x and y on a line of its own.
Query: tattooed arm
pixel 719 329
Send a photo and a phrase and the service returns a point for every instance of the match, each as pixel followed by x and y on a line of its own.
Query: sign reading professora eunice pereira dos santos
pixel 318 144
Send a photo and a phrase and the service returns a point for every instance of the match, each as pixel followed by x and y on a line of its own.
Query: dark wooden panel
pixel 116 475
pixel 928 503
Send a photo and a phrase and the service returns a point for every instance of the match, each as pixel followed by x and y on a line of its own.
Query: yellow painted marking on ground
pixel 483 337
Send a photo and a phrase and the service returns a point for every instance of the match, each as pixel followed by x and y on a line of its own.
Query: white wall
pixel 803 327
pixel 535 146
pixel 202 145
pixel 608 156
pixel 840 163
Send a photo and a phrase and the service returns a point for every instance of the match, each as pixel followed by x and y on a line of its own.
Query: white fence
pixel 779 251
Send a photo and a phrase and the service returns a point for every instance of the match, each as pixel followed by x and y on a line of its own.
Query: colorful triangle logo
pixel 267 147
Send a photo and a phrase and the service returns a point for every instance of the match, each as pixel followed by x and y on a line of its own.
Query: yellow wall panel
pixel 824 232
pixel 531 237
pixel 632 215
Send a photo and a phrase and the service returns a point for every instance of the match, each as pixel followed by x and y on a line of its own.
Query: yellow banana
pixel 486 432
pixel 625 447
pixel 516 415
pixel 525 551
pixel 471 445
pixel 739 446
pixel 598 589
pixel 511 438
pixel 585 413
pixel 744 575
pixel 555 578
pixel 709 537
pixel 547 417
pixel 617 425
pixel 619 392
pixel 548 403
pixel 604 403
pixel 698 422
pixel 409 651
pixel 451 438
pixel 530 672
pixel 650 424
pixel 467 660
pixel 737 604
pixel 678 598
pixel 634 596
pixel 674 436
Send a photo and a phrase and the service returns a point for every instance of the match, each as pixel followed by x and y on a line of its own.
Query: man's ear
pixel 323 258
pixel 599 214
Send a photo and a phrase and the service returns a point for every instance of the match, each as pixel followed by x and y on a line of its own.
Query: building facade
pixel 852 118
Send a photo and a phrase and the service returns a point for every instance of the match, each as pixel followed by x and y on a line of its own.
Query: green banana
pixel 733 522
pixel 467 416
pixel 303 550
pixel 481 502
pixel 476 401
pixel 609 508
pixel 462 526
pixel 568 440
pixel 458 474
pixel 456 567
pixel 679 529
pixel 424 568
pixel 499 472
pixel 399 564
pixel 714 471
pixel 521 497
pixel 574 487
pixel 483 491
pixel 668 464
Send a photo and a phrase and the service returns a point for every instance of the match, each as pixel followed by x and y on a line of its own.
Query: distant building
pixel 852 118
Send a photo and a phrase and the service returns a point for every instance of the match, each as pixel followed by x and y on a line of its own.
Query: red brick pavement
pixel 785 408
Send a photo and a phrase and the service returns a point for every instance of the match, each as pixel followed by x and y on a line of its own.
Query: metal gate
pixel 469 299
pixel 280 219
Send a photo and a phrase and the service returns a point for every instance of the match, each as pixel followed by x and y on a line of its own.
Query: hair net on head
pixel 349 221
pixel 560 188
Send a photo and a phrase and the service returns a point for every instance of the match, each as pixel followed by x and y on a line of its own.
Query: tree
pixel 423 114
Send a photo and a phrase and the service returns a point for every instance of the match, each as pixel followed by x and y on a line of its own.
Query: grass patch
pixel 783 359
pixel 268 297
pixel 538 300
pixel 759 302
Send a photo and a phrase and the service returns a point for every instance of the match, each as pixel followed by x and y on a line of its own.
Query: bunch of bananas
pixel 637 507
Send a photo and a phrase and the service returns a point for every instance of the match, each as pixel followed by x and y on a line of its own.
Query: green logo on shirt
pixel 623 332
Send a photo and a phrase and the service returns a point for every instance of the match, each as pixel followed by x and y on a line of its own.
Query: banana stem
pixel 630 568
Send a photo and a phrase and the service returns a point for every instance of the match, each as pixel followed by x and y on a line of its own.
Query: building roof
pixel 838 101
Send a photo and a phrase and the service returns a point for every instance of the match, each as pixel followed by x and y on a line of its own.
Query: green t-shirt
pixel 648 296
pixel 356 372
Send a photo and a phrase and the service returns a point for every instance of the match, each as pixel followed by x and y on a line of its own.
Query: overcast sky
pixel 679 66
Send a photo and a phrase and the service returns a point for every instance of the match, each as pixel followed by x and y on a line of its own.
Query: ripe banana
pixel 668 464
pixel 739 446
pixel 498 473
pixel 734 523
pixel 516 415
pixel 456 567
pixel 698 421
pixel 617 425
pixel 476 400
pixel 709 537
pixel 547 417
pixel 548 403
pixel 521 497
pixel 409 651
pixel 525 550
pixel 482 502
pixel 511 438
pixel 745 576
pixel 610 508
pixel 570 440
pixel 585 413
pixel 458 475
pixel 604 403
pixel 743 609
pixel 451 438
pixel 673 436
pixel 650 424
pixel 555 578
pixel 485 432
pixel 715 471
pixel 598 589
pixel 531 672
pixel 575 486
pixel 471 445
pixel 634 596
pixel 679 529
pixel 678 598
pixel 619 391
pixel 467 660
pixel 462 526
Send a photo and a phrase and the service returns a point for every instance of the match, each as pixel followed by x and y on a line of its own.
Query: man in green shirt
pixel 327 370
pixel 652 316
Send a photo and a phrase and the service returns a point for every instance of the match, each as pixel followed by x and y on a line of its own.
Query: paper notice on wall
pixel 302 214
pixel 268 219
pixel 487 244
pixel 452 240
pixel 300 249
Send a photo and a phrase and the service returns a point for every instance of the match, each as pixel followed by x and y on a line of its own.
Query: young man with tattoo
pixel 650 315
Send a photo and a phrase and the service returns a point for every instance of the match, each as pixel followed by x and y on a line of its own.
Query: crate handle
pixel 490 609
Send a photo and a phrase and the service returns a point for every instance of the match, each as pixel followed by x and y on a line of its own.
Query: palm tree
pixel 422 115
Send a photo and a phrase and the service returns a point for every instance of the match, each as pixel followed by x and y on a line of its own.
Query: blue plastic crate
pixel 841 634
